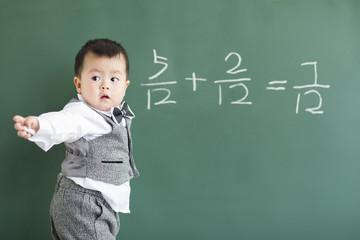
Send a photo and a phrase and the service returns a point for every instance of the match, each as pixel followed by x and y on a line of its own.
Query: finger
pixel 19 119
pixel 21 134
pixel 19 123
pixel 27 135
pixel 29 121
pixel 24 134
pixel 19 126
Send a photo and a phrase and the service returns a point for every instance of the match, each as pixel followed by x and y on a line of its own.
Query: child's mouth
pixel 105 97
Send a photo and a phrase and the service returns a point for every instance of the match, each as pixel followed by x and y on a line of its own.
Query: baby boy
pixel 93 185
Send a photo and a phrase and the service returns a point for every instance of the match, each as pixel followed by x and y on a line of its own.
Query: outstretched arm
pixel 75 121
pixel 22 123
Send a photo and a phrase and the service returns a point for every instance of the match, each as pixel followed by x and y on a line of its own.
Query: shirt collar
pixel 107 113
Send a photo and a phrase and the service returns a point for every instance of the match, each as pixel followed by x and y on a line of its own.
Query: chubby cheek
pixel 92 89
pixel 120 96
pixel 123 92
pixel 89 93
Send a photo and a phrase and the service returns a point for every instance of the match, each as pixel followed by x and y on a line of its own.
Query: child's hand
pixel 22 123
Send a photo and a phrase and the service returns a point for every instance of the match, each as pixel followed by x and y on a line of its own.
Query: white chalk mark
pixel 158 84
pixel 315 78
pixel 233 80
pixel 233 70
pixel 315 68
pixel 314 110
pixel 312 86
pixel 220 95
pixel 241 101
pixel 275 88
pixel 297 104
pixel 165 100
pixel 149 99
pixel 194 79
pixel 156 61
pixel 278 82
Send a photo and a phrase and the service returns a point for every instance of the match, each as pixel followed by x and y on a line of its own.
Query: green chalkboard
pixel 247 114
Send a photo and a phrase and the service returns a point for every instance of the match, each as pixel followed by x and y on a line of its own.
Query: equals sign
pixel 272 83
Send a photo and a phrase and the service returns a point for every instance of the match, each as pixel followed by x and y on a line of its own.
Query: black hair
pixel 100 47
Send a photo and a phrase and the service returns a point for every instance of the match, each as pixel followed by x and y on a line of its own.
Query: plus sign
pixel 194 79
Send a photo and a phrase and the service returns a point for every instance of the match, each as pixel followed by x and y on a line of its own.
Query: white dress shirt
pixel 75 121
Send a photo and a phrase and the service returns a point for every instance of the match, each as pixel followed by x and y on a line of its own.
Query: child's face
pixel 103 81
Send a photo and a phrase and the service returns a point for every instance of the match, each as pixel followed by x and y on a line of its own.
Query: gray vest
pixel 107 158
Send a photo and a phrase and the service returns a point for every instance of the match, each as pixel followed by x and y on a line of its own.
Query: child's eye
pixel 114 79
pixel 95 78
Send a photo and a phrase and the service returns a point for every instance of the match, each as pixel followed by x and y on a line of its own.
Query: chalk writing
pixel 166 99
pixel 237 82
pixel 156 61
pixel 278 83
pixel 194 79
pixel 315 110
pixel 233 70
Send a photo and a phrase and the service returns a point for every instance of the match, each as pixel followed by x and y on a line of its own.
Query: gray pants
pixel 79 213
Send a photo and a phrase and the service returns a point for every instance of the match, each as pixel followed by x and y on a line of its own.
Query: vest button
pixel 130 173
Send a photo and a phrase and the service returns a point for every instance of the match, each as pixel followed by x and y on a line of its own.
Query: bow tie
pixel 123 112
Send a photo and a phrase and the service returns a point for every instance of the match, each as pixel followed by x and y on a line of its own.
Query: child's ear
pixel 127 83
pixel 77 83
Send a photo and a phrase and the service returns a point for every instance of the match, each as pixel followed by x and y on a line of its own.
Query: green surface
pixel 255 171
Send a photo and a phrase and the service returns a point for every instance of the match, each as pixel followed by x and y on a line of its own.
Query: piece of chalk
pixel 29 130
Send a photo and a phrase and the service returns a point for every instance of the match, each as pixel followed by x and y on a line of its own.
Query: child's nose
pixel 104 86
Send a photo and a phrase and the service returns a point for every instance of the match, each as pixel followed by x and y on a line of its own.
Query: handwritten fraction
pixel 154 85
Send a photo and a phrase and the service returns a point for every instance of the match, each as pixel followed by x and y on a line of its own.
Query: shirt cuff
pixel 42 135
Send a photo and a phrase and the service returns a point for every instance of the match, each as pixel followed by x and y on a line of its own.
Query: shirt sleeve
pixel 75 121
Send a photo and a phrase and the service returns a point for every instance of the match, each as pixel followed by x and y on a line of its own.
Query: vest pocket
pixel 112 161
